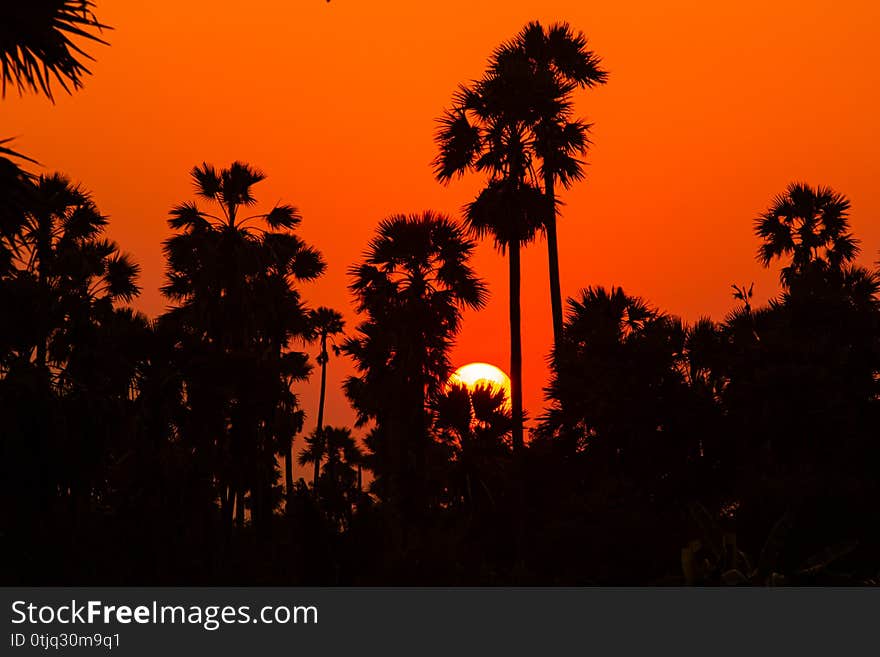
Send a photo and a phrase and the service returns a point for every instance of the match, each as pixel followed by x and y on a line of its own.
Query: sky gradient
pixel 709 111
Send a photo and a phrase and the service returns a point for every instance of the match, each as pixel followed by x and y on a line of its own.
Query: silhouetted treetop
pixel 419 255
pixel 60 239
pixel 809 225
pixel 557 48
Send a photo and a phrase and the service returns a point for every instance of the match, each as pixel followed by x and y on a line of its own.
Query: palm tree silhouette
pixel 547 65
pixel 65 356
pixel 59 248
pixel 413 284
pixel 474 426
pixel 325 323
pixel 38 43
pixel 484 132
pixel 233 277
pixel 809 225
pixel 340 481
pixel 618 381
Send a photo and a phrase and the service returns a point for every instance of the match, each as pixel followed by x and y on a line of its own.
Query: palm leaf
pixel 38 43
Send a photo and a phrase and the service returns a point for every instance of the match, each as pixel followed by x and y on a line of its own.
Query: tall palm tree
pixel 233 277
pixel 810 359
pixel 547 65
pixel 809 225
pixel 38 43
pixel 413 285
pixel 482 133
pixel 325 323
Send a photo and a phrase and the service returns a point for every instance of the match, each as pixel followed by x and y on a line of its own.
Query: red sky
pixel 710 110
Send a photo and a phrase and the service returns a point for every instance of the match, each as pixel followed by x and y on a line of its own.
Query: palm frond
pixel 283 216
pixel 38 44
pixel 121 277
pixel 187 216
pixel 206 181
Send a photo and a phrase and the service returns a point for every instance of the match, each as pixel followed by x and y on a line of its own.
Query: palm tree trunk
pixel 288 476
pixel 516 348
pixel 321 398
pixel 44 249
pixel 553 260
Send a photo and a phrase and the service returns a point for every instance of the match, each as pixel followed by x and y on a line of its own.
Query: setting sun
pixel 474 375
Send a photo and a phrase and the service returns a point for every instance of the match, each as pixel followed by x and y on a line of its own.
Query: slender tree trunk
pixel 517 407
pixel 553 260
pixel 288 476
pixel 516 347
pixel 44 250
pixel 320 434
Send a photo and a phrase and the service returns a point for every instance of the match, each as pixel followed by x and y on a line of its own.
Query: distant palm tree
pixel 547 65
pixel 413 285
pixel 482 133
pixel 38 43
pixel 474 426
pixel 325 323
pixel 339 482
pixel 809 225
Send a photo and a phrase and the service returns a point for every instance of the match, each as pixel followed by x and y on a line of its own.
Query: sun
pixel 473 375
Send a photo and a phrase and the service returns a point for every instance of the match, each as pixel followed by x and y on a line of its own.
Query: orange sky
pixel 710 110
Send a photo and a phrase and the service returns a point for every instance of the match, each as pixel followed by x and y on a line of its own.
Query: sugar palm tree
pixel 325 323
pixel 812 348
pixel 233 279
pixel 481 133
pixel 38 43
pixel 413 285
pixel 619 379
pixel 59 247
pixel 809 225
pixel 338 484
pixel 474 426
pixel 547 65
pixel 65 358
